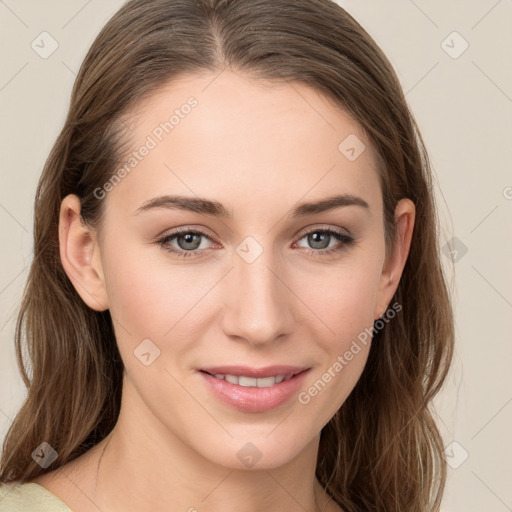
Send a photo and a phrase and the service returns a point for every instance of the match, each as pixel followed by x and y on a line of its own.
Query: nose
pixel 258 308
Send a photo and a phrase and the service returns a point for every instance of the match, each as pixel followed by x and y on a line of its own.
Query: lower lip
pixel 254 399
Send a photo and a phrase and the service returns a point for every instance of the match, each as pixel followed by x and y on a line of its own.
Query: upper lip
pixel 267 371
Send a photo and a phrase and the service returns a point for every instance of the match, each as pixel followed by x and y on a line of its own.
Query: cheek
pixel 145 298
pixel 342 298
pixel 345 305
pixel 157 299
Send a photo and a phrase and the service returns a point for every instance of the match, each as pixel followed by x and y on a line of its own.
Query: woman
pixel 236 299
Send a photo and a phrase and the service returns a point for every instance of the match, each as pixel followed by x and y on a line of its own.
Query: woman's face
pixel 235 164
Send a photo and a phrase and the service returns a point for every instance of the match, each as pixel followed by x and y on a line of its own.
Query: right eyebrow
pixel 192 204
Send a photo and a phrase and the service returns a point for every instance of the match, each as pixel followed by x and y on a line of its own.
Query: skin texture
pixel 260 149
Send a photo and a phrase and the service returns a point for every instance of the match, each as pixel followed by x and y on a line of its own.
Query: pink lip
pixel 250 398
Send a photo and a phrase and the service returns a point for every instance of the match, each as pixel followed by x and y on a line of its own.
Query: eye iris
pixel 313 239
pixel 189 240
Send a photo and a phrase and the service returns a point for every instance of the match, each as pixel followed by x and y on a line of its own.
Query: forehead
pixel 245 141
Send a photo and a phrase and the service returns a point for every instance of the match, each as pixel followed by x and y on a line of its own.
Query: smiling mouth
pixel 254 390
pixel 247 381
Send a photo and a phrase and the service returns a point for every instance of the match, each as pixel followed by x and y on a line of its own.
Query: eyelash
pixel 346 240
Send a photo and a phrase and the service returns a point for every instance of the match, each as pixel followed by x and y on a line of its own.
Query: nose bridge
pixel 258 307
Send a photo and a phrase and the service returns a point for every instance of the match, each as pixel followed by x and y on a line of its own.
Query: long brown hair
pixel 382 450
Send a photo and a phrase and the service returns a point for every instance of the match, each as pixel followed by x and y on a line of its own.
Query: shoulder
pixel 20 497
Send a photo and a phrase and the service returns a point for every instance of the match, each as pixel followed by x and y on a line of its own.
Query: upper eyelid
pixel 298 236
pixel 342 231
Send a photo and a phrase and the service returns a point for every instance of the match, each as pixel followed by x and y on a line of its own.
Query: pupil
pixel 317 239
pixel 189 240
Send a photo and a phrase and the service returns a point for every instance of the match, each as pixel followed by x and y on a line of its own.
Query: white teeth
pixel 264 382
pixel 231 378
pixel 247 381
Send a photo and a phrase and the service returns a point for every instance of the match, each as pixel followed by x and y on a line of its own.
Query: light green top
pixel 29 496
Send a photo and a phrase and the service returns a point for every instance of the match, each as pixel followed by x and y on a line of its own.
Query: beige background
pixel 463 103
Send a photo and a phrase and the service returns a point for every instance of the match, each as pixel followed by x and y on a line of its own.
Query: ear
pixel 405 213
pixel 80 255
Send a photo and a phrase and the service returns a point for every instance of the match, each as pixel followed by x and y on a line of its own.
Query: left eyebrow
pixel 331 203
pixel 216 209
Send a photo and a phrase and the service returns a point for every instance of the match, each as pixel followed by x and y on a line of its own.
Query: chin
pixel 257 451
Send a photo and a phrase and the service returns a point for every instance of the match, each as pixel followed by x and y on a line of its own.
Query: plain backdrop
pixel 453 60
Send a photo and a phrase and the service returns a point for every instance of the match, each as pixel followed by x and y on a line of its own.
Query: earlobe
pixel 79 254
pixel 392 272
